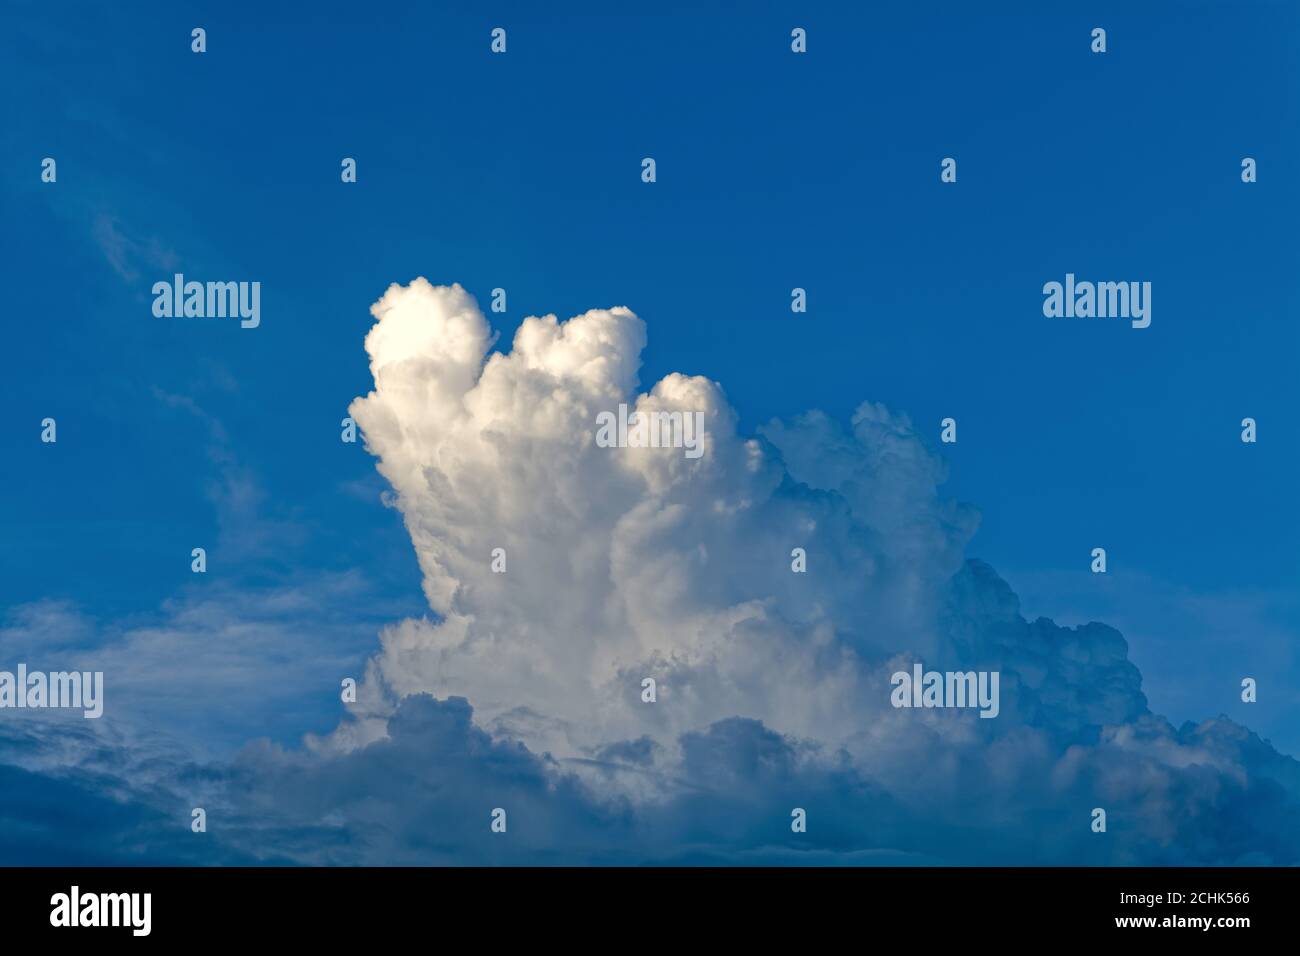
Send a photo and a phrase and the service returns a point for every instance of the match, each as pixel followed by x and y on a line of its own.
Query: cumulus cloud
pixel 633 563
pixel 627 563
pixel 523 690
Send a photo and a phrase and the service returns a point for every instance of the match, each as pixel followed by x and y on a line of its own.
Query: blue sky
pixel 774 170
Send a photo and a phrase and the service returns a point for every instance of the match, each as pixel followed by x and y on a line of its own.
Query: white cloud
pixel 628 563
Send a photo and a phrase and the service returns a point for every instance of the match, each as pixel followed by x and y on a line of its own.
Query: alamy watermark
pixel 214 300
pixel 651 430
pixel 923 688
pixel 81 690
pixel 1102 300
pixel 75 908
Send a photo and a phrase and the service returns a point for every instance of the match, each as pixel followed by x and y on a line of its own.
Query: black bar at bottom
pixel 331 905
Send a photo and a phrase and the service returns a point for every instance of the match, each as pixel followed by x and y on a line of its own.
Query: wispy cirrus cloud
pixel 128 254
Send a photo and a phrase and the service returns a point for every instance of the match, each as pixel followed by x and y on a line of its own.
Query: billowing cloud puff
pixel 628 563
